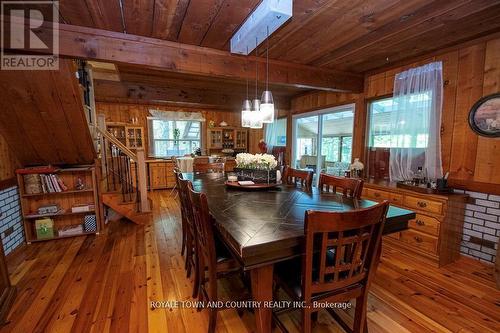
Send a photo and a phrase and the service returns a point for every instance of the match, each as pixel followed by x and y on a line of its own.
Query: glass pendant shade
pixel 267 107
pixel 255 115
pixel 246 111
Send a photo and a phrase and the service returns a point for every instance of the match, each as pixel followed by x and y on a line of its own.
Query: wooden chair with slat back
pixel 188 237
pixel 178 177
pixel 349 187
pixel 341 253
pixel 296 177
pixel 214 260
pixel 216 167
pixel 176 167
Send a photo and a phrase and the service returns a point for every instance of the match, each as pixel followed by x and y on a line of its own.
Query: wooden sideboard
pixel 436 232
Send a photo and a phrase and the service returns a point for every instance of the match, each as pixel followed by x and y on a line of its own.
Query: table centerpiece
pixel 259 168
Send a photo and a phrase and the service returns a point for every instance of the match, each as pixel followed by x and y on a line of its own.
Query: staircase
pixel 123 178
pixel 123 172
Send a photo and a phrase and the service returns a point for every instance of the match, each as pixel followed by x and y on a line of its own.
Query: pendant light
pixel 256 117
pixel 267 102
pixel 246 110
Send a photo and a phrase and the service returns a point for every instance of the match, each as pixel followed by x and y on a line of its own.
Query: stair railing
pixel 124 170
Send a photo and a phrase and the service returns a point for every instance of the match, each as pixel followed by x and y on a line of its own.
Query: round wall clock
pixel 484 117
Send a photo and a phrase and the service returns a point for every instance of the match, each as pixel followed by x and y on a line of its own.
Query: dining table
pixel 264 227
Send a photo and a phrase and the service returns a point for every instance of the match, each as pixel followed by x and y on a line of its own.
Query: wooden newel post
pixel 142 181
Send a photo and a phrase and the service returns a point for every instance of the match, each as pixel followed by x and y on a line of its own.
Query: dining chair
pixel 188 232
pixel 176 167
pixel 214 260
pixel 298 177
pixel 341 251
pixel 349 187
pixel 216 167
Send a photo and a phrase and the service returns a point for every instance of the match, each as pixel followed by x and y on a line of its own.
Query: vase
pixel 256 175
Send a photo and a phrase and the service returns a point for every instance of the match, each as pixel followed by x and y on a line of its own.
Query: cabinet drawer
pixel 423 204
pixel 420 240
pixel 426 224
pixel 395 235
pixel 396 199
pixel 377 194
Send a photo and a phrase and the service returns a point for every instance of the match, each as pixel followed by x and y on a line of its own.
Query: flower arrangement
pixel 256 162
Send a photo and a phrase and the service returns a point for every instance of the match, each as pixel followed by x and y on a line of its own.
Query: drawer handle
pixel 420 222
pixel 418 239
pixel 377 194
pixel 422 204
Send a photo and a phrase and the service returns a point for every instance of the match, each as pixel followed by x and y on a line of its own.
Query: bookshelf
pixel 65 199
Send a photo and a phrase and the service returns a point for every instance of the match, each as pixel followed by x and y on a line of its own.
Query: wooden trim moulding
pixel 8 183
pixel 115 47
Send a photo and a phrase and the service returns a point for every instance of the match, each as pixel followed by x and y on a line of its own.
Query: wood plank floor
pixel 104 284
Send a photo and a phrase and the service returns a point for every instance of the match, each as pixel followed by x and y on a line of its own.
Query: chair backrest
pixel 340 248
pixel 349 187
pixel 205 242
pixel 184 186
pixel 298 177
pixel 217 167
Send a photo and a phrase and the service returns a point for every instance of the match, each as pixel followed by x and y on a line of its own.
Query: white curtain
pixel 415 123
pixel 177 115
pixel 270 135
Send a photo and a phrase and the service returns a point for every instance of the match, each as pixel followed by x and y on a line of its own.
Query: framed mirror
pixel 484 117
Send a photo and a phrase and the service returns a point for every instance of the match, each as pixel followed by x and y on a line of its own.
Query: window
pixel 276 132
pixel 382 133
pixel 327 131
pixel 173 137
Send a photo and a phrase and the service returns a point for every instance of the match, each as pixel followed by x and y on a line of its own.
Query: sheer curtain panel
pixel 415 123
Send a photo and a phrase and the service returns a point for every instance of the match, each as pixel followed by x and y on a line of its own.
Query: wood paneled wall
pixel 8 161
pixel 470 72
pixel 42 116
pixel 118 112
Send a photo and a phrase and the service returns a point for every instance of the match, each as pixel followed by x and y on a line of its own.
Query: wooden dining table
pixel 263 227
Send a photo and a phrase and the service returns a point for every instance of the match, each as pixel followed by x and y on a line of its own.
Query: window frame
pixel 152 141
pixel 320 112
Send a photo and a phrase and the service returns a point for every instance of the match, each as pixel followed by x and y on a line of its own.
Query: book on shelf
pixel 50 183
pixel 44 228
pixel 70 230
pixel 82 208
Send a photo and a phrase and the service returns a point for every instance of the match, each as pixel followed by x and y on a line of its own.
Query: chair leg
pixel 360 322
pixel 306 320
pixel 314 317
pixel 188 264
pixel 212 321
pixel 184 235
pixel 196 284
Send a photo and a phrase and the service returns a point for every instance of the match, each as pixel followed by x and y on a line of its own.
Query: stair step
pixel 128 210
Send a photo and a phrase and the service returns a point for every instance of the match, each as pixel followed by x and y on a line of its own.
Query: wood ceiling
pixel 355 35
pixel 135 84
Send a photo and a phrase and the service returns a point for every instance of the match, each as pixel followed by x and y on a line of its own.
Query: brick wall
pixel 11 225
pixel 481 226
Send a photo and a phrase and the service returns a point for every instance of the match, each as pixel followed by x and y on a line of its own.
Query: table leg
pixel 262 290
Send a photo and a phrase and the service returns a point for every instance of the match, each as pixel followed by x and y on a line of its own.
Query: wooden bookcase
pixel 66 200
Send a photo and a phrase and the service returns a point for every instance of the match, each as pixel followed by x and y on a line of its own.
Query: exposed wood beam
pixel 133 92
pixel 108 46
